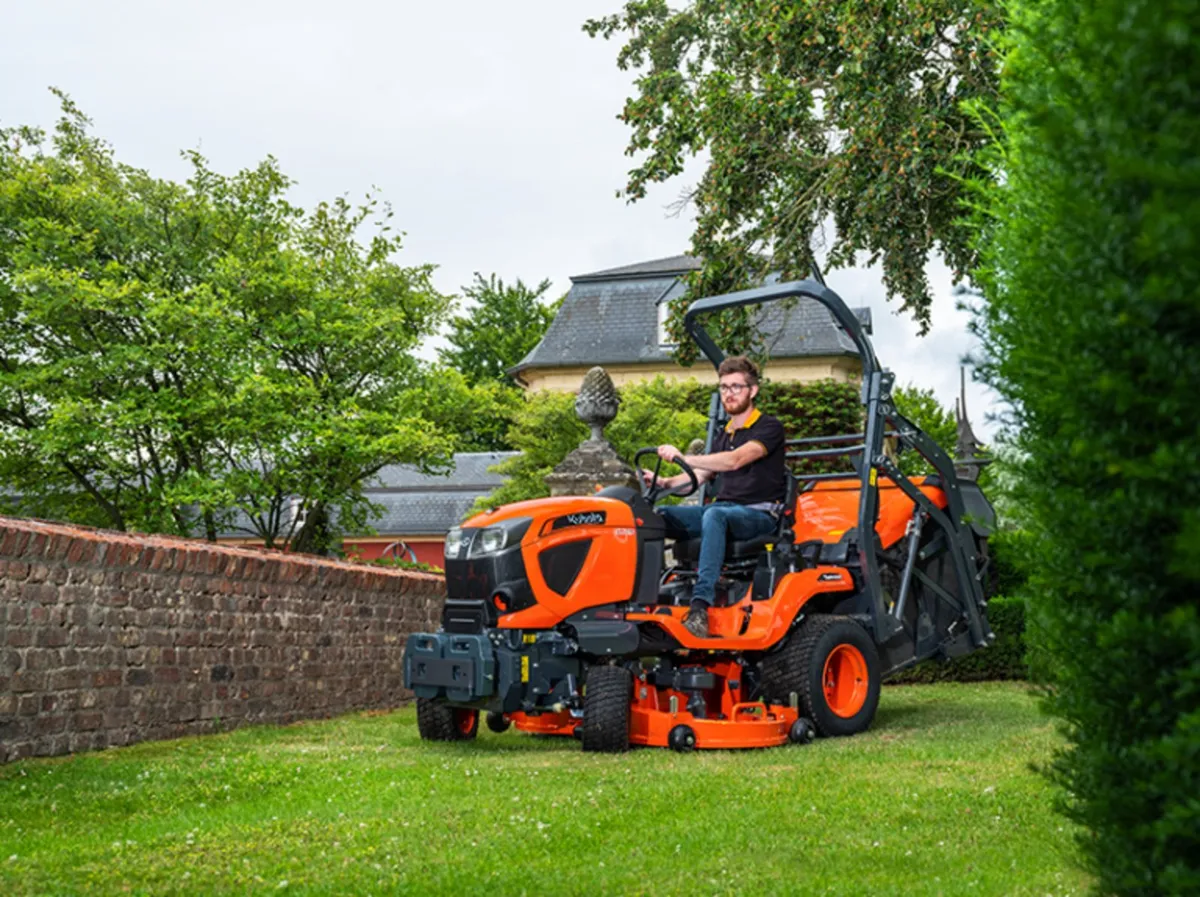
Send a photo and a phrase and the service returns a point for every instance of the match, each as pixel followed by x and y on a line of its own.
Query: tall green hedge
pixel 1004 659
pixel 1092 331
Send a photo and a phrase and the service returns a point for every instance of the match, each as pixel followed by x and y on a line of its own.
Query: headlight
pixel 489 541
pixel 454 541
pixel 492 539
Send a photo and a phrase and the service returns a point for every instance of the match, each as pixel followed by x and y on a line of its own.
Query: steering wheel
pixel 651 489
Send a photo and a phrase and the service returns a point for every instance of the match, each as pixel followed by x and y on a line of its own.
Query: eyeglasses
pixel 728 388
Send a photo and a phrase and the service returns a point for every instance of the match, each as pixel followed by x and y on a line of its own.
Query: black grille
pixel 480 579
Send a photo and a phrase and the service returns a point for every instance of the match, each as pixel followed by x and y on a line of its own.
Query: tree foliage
pixel 1091 327
pixel 922 408
pixel 808 112
pixel 171 354
pixel 500 326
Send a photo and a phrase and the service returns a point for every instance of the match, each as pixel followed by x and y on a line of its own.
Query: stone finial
pixel 595 463
pixel 597 403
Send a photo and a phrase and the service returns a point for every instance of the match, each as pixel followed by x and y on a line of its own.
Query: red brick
pixel 106 678
pixel 13 542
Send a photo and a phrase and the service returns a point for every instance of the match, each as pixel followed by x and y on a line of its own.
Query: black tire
pixel 802 732
pixel 800 667
pixel 606 710
pixel 441 722
pixel 682 739
pixel 497 722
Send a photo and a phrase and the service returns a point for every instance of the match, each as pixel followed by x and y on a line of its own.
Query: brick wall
pixel 108 638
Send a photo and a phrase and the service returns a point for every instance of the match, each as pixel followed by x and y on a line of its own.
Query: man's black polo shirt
pixel 763 481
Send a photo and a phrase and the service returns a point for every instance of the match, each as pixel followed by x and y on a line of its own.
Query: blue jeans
pixel 713 523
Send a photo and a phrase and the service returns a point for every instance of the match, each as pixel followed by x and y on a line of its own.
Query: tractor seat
pixel 687 551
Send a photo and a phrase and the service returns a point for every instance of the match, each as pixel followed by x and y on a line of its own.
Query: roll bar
pixel 810 289
pixel 882 419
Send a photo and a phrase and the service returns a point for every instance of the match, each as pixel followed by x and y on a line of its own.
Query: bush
pixel 1005 659
pixel 820 408
pixel 1090 331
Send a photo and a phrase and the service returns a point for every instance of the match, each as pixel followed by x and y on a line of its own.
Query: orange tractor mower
pixel 562 617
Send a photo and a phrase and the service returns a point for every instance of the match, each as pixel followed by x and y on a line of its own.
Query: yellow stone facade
pixel 802 370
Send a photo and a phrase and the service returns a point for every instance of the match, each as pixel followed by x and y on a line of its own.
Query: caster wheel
pixel 682 739
pixel 802 731
pixel 497 722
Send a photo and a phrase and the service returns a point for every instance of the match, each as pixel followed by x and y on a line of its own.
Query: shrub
pixel 820 408
pixel 1090 331
pixel 1005 659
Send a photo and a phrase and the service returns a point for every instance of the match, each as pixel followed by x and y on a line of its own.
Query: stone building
pixel 615 318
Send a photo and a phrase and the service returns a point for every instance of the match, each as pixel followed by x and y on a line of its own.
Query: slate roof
pixel 417 504
pixel 611 317
pixel 673 264
pixel 420 504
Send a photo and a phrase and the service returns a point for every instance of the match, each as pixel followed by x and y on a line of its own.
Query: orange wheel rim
pixel 465 721
pixel 844 680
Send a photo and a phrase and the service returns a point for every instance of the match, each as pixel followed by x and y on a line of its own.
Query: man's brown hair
pixel 739 364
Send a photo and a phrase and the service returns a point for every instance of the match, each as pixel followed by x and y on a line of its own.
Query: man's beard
pixel 735 405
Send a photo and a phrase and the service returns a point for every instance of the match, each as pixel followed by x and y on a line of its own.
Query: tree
pixel 1090 327
pixel 498 329
pixel 857 113
pixel 922 408
pixel 478 416
pixel 173 355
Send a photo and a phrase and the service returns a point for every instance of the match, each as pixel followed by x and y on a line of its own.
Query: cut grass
pixel 937 798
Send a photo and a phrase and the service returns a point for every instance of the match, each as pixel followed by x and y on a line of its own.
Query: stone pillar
pixel 595 463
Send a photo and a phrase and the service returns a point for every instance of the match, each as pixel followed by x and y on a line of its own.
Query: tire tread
pixel 606 710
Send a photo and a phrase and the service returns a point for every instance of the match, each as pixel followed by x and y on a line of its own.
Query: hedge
pixel 1005 659
pixel 1091 331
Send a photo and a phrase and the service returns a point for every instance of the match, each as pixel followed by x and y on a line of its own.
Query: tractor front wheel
pixel 605 724
pixel 441 722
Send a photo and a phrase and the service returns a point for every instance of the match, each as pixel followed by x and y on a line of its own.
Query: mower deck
pixel 716 719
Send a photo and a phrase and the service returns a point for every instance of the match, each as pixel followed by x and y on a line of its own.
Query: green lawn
pixel 938 798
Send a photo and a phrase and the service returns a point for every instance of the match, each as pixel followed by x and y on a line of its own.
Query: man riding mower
pixel 562 618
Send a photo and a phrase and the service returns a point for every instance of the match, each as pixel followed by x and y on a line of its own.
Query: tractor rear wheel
pixel 441 722
pixel 832 665
pixel 605 724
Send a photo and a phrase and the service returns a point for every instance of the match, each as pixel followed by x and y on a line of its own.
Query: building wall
pixel 110 638
pixel 803 370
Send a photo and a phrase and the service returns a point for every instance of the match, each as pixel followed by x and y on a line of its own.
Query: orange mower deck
pixel 728 723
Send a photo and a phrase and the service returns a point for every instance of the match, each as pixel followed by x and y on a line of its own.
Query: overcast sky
pixel 491 127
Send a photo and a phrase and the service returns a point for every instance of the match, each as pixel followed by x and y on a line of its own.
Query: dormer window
pixel 663 308
pixel 664 340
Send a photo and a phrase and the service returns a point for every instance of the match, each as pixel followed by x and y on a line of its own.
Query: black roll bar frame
pixel 882 420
